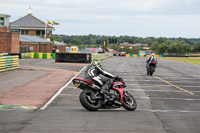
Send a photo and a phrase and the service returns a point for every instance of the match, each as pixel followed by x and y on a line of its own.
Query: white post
pixel 45 30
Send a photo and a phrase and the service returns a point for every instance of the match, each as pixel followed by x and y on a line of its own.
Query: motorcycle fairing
pixel 119 86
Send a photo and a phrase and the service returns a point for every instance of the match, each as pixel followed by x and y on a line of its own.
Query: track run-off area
pixel 168 102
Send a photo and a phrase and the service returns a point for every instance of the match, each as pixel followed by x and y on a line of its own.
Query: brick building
pixel 9 41
pixel 32 26
pixel 27 34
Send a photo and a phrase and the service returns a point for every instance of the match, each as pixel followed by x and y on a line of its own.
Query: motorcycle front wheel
pixel 87 102
pixel 129 102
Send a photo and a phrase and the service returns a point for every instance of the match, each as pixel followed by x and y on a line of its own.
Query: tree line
pixel 159 45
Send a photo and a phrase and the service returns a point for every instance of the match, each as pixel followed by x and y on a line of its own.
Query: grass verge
pixel 194 60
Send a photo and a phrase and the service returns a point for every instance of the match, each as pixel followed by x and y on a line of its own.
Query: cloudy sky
pixel 141 18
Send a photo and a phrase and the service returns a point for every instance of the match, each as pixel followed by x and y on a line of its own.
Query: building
pixel 32 26
pixel 9 41
pixel 27 34
pixel 34 44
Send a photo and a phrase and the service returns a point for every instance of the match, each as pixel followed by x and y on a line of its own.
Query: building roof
pixel 29 21
pixel 33 39
pixel 4 15
pixel 59 43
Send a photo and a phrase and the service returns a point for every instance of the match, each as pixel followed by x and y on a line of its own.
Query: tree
pixel 92 41
pixel 163 48
pixel 155 47
pixel 76 40
pixel 196 48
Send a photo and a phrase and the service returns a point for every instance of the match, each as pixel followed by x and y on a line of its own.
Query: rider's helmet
pixel 96 62
pixel 152 54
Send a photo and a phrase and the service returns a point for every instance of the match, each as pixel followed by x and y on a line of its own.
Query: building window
pixel 30 48
pixel 1 21
pixel 24 32
pixel 14 30
pixel 40 32
pixel 23 49
pixel 26 49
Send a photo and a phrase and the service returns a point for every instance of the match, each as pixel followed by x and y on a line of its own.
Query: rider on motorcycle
pixel 95 71
pixel 151 59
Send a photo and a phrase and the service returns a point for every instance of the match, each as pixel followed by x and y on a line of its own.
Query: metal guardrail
pixel 101 56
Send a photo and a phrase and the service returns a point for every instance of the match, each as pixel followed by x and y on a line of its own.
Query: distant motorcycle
pixel 92 99
pixel 151 69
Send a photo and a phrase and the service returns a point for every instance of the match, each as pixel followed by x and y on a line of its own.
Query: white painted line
pixel 147 110
pixel 158 90
pixel 157 86
pixel 140 80
pixel 168 111
pixel 150 85
pixel 69 95
pixel 147 85
pixel 189 86
pixel 60 90
pixel 160 98
pixel 182 81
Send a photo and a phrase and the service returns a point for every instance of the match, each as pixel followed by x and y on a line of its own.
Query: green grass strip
pixel 194 60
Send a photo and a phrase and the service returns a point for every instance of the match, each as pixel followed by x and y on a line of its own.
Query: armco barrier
pixel 138 55
pixel 73 57
pixel 9 63
pixel 101 56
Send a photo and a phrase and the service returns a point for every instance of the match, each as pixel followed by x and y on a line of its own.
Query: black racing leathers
pixel 98 76
pixel 149 60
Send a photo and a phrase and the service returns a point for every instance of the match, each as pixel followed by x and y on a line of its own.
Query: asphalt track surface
pixel 168 102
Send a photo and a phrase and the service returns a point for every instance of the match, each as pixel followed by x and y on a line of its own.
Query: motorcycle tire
pixel 87 102
pixel 152 70
pixel 129 102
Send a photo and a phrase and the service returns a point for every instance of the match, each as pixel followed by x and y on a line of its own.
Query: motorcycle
pixel 92 99
pixel 151 69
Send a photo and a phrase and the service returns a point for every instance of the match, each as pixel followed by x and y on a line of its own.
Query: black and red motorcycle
pixel 92 99
pixel 152 68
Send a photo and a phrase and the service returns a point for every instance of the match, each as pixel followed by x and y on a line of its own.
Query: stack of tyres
pixel 48 55
pixel 40 55
pixel 15 62
pixel 2 64
pixel 9 63
pixel 2 54
pixel 36 55
pixel 31 55
pixel 44 55
pixel 53 55
pixel 25 55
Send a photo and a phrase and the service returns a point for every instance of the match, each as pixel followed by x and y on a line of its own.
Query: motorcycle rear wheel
pixel 129 102
pixel 87 102
pixel 152 70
